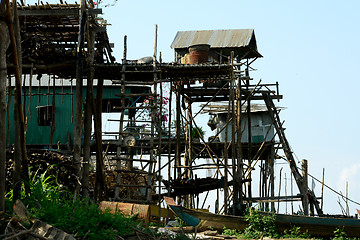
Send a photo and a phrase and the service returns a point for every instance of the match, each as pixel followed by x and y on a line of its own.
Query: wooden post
pixel 100 191
pixel 100 187
pixel 278 208
pixel 248 112
pixel 177 169
pixel 53 123
pixel 238 164
pixel 20 164
pixel 119 149
pixel 322 189
pixel 78 99
pixel 88 117
pixel 272 177
pixel 305 198
pixel 153 123
pixel 225 150
pixel 8 110
pixel 265 182
pixel 4 43
pixel 169 147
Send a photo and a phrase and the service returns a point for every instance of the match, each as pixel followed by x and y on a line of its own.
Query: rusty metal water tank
pixel 199 53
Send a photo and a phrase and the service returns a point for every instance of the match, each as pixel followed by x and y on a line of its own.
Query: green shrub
pixel 54 205
pixel 340 234
pixel 260 225
pixel 231 232
pixel 294 232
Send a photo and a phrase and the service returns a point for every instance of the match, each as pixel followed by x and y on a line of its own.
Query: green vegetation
pixel 197 132
pixel 264 226
pixel 340 234
pixel 294 232
pixel 54 205
pixel 260 225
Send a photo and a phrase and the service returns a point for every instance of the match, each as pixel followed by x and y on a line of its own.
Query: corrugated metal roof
pixel 215 38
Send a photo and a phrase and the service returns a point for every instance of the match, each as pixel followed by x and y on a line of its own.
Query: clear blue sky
pixel 310 47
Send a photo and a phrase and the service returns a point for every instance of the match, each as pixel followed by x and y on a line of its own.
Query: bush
pixel 294 232
pixel 260 225
pixel 340 234
pixel 54 205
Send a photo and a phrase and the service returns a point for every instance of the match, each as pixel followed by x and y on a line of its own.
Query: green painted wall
pixel 64 113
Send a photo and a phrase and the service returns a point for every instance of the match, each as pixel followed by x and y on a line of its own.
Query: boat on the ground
pixel 315 226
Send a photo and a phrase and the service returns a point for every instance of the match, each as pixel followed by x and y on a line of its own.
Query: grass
pixel 54 205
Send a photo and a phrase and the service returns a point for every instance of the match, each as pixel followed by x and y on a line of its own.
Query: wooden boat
pixel 315 226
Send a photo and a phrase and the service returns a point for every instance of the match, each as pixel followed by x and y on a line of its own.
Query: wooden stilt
pixel 4 43
pixel 78 99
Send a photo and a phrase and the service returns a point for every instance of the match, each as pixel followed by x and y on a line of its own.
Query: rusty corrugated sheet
pixel 142 210
pixel 216 38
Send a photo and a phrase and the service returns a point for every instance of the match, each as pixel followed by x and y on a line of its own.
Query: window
pixel 44 114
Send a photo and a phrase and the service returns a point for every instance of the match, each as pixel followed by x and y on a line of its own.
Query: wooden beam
pixel 274 199
pixel 57 12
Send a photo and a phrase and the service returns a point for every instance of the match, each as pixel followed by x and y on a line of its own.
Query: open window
pixel 44 114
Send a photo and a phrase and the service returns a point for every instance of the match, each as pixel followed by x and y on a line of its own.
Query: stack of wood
pixel 126 179
pixel 56 163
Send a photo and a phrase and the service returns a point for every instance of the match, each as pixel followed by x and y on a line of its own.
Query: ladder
pixel 138 142
pixel 288 153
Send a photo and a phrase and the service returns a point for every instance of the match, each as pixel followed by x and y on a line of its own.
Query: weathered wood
pixel 88 118
pixel 100 186
pixel 56 12
pixel 4 43
pixel 20 164
pixel 177 171
pixel 53 105
pixel 288 153
pixel 275 199
pixel 100 191
pixel 322 189
pixel 305 202
pixel 154 122
pixel 121 125
pixel 238 163
pixel 78 99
